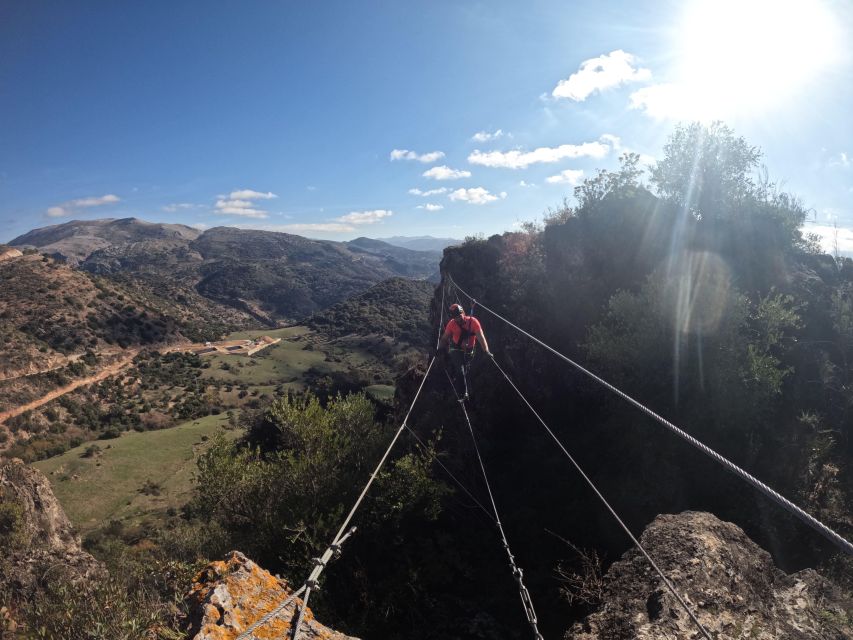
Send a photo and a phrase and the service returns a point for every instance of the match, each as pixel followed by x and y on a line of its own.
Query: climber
pixel 462 332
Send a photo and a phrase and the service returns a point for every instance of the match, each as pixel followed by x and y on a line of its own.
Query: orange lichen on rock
pixel 229 595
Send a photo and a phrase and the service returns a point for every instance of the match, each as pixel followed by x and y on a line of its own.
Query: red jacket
pixel 463 329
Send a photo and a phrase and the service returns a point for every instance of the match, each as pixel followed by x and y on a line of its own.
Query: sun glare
pixel 744 57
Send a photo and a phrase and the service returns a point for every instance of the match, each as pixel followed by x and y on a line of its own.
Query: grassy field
pixel 108 486
pixel 143 475
pixel 384 392
pixel 288 361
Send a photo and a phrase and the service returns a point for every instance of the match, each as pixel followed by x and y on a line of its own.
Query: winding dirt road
pixel 103 374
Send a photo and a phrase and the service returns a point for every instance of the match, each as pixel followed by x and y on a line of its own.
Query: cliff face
pixel 36 535
pixel 730 583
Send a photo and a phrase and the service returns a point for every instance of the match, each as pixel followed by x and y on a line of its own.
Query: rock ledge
pixel 730 582
pixel 229 595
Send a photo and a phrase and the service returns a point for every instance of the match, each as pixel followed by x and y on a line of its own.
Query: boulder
pixel 730 583
pixel 229 595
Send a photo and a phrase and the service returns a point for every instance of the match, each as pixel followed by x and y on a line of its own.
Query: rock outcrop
pixel 35 534
pixel 730 583
pixel 8 253
pixel 229 595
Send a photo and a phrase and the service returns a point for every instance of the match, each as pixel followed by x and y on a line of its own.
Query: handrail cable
pixel 778 498
pixel 601 497
pixel 526 600
pixel 320 563
pixel 334 549
pixel 452 477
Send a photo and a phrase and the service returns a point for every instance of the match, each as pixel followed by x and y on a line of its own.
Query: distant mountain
pixel 405 262
pixel 272 276
pixel 76 240
pixel 421 243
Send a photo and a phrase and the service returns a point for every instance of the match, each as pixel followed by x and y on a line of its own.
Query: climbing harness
pixel 526 600
pixel 800 513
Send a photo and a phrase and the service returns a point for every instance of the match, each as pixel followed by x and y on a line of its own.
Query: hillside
pixel 397 307
pixel 52 313
pixel 272 276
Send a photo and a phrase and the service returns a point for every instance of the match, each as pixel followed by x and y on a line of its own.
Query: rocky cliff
pixel 35 534
pixel 731 584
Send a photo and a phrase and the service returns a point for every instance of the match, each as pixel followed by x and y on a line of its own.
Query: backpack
pixel 464 332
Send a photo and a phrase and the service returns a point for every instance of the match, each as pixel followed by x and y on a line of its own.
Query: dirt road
pixel 103 374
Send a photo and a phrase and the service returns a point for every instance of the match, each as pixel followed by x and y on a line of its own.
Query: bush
pixel 91 451
pixel 13 535
pixel 301 467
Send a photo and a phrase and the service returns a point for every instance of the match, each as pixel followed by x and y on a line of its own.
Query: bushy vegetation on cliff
pixel 692 287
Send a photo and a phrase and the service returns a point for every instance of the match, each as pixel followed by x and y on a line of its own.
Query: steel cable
pixel 778 498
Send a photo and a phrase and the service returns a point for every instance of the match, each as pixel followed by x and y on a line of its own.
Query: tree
pixel 707 170
pixel 623 183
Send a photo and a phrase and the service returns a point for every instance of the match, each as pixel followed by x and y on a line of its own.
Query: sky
pixel 446 118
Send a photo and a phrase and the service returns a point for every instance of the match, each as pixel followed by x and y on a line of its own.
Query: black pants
pixel 459 362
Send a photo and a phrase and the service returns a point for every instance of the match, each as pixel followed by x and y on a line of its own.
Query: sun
pixel 745 57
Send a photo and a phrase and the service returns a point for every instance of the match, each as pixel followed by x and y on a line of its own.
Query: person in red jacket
pixel 462 334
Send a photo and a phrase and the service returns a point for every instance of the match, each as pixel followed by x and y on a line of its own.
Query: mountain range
pixel 272 276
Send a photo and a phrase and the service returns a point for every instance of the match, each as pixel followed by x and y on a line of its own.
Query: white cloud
pixel 475 195
pixel 249 194
pixel 485 136
pixel 178 206
pixel 95 202
pixel 239 203
pixel 57 212
pixel 569 176
pixel 430 207
pixel 841 160
pixel 524 183
pixel 68 208
pixel 613 141
pixel 668 101
pixel 365 217
pixel 597 74
pixel 443 172
pixel 828 235
pixel 517 159
pixel 428 192
pixel 201 226
pixel 242 208
pixel 405 154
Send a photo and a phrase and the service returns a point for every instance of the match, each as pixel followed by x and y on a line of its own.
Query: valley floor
pixel 132 477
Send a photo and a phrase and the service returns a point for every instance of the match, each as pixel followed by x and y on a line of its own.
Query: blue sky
pixel 287 115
